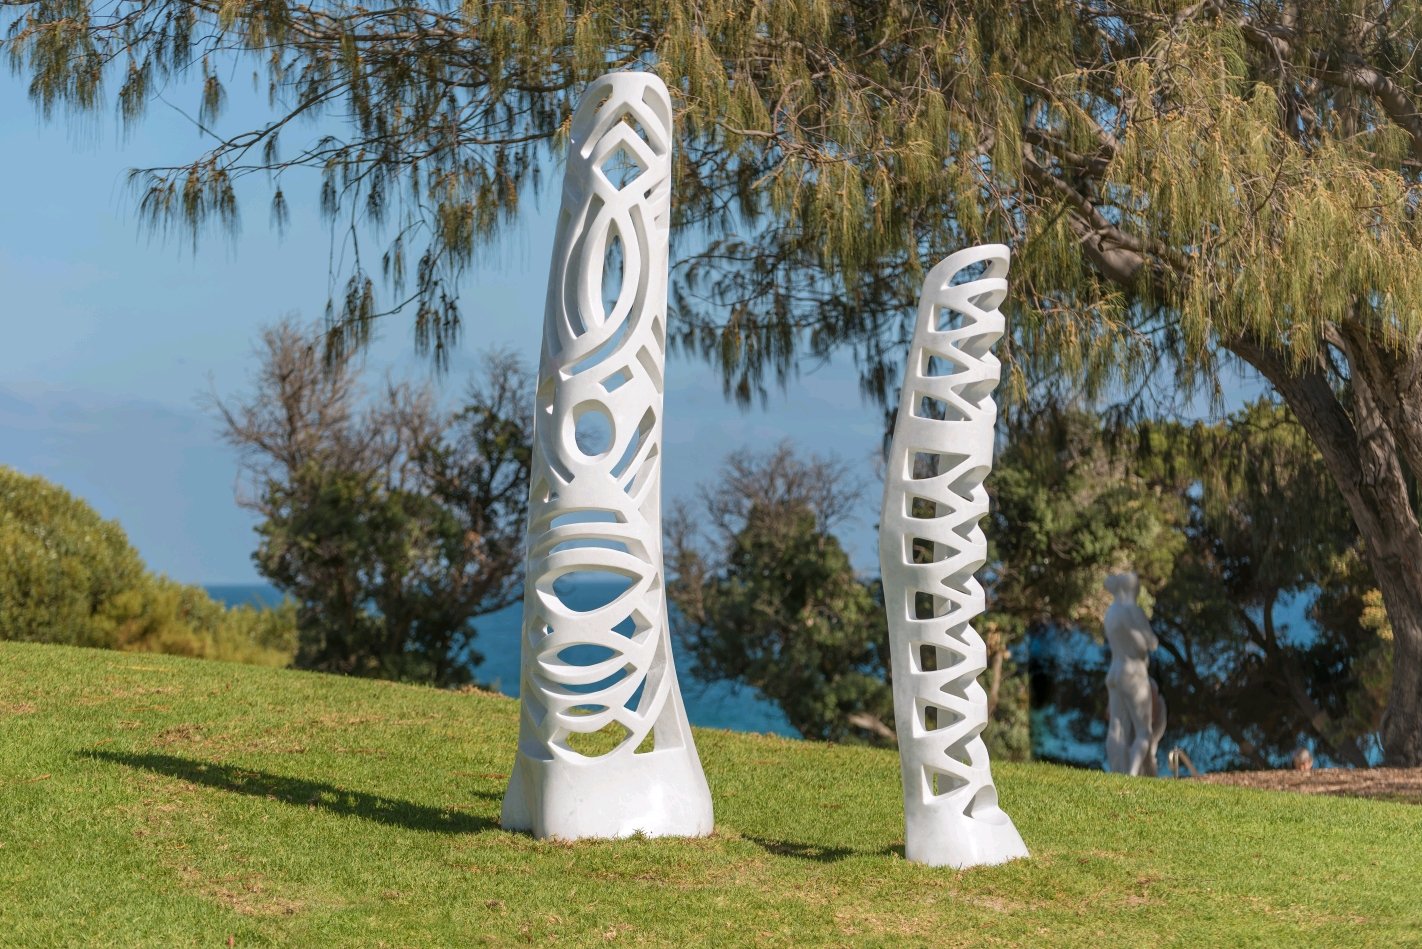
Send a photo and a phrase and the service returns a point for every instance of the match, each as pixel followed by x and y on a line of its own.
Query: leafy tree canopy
pixel 391 522
pixel 1186 183
pixel 1209 516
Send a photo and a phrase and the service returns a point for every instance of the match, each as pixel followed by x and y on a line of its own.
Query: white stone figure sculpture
pixel 595 501
pixel 1136 710
pixel 930 545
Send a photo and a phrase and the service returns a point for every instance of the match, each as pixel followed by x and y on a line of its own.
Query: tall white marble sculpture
pixel 1135 709
pixel 600 678
pixel 930 545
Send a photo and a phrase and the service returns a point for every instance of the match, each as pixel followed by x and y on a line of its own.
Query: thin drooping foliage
pixel 1194 154
pixel 1184 183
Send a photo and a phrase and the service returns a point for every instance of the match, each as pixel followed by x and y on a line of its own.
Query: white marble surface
pixel 933 500
pixel 595 501
pixel 1135 710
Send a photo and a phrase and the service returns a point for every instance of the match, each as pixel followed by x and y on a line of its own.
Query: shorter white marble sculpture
pixel 1136 710
pixel 930 546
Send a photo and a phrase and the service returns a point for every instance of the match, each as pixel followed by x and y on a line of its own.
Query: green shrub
pixel 69 576
pixel 61 564
pixel 162 615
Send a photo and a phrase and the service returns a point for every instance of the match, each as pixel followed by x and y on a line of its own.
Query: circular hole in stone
pixel 592 429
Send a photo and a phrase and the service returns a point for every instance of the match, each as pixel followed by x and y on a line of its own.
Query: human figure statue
pixel 1136 710
pixel 930 546
pixel 604 747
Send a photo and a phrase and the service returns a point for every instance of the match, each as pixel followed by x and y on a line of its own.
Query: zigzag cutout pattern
pixel 931 543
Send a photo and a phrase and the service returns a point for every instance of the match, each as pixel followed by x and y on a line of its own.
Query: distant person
pixel 1136 711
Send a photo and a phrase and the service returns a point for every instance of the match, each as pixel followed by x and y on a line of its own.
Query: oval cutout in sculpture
pixel 613 269
pixel 587 591
pixel 593 429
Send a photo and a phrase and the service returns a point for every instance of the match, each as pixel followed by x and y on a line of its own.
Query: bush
pixel 165 616
pixel 392 522
pixel 63 565
pixel 68 576
pixel 771 599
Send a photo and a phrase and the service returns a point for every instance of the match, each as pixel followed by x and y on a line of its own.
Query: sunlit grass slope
pixel 147 800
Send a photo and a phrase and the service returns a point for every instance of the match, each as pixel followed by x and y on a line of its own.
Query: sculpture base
pixel 657 794
pixel 939 838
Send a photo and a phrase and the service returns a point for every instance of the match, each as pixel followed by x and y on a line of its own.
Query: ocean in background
pixel 709 705
pixel 244 594
pixel 1058 734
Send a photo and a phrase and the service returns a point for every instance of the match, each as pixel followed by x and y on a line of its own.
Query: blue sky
pixel 109 339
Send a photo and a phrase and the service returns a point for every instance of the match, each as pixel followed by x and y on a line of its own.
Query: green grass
pixel 146 800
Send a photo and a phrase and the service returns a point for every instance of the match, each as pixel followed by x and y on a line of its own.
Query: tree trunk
pixel 1389 379
pixel 1342 747
pixel 1402 722
pixel 995 680
pixel 1361 452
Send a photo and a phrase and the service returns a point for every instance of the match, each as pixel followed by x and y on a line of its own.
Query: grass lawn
pixel 146 800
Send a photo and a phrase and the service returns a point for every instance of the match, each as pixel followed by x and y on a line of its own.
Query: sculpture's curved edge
pixel 962 847
pixel 643 795
pixel 962 826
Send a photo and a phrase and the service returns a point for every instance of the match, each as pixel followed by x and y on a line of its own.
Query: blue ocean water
pixel 710 705
pixel 244 594
pixel 1058 734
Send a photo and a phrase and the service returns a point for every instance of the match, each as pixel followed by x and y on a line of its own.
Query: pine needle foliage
pixel 1194 153
pixel 1185 183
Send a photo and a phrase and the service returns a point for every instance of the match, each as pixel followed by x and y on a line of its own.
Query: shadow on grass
pixel 328 797
pixel 815 852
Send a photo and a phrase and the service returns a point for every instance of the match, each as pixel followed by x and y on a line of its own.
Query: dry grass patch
pixel 1403 785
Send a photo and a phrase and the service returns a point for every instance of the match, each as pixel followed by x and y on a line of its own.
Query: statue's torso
pixel 1128 634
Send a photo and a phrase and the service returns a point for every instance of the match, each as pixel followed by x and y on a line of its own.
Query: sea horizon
pixel 718 704
pixel 1056 734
